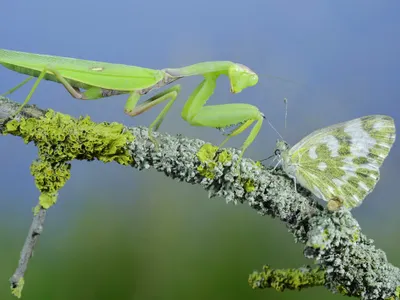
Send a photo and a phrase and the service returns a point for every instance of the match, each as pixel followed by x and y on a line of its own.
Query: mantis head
pixel 241 77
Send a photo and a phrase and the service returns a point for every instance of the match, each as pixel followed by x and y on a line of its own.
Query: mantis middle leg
pixel 133 110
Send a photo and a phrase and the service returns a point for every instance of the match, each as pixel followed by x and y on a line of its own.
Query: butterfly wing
pixel 342 161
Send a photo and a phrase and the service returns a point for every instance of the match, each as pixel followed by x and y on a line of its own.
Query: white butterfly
pixel 340 163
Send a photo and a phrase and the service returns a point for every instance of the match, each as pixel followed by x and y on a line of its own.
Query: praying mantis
pixel 100 80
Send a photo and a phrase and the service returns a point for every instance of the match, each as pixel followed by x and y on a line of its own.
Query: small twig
pixel 27 250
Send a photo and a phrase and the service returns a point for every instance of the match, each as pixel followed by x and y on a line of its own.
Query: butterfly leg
pixel 276 165
pixel 295 182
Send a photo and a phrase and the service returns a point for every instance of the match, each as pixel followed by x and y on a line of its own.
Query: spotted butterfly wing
pixel 341 161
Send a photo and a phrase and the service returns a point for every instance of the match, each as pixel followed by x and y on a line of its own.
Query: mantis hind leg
pixel 133 110
pixel 90 94
pixel 18 86
pixel 42 74
pixel 72 90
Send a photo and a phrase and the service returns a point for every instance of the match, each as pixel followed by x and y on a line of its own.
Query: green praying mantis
pixel 100 80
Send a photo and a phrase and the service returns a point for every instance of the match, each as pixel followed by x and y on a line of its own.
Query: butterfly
pixel 340 163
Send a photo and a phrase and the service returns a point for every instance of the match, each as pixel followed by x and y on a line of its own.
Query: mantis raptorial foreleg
pixel 197 114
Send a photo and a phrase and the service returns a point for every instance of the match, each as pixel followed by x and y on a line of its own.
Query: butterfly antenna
pixel 286 110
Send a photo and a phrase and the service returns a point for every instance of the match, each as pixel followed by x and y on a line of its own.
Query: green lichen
pixel 224 157
pixel 17 290
pixel 396 294
pixel 206 171
pixel 325 235
pixel 207 153
pixel 36 209
pixel 259 165
pixel 292 279
pixel 345 292
pixel 320 241
pixel 61 139
pixel 356 236
pixel 249 185
pixel 342 290
pixel 209 159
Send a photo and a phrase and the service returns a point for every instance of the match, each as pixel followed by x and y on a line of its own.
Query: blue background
pixel 128 234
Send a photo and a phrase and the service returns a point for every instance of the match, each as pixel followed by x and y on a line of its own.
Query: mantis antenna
pixel 286 110
pixel 285 100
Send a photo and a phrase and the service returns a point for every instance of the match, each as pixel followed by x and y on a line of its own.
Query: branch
pixel 350 262
pixel 17 279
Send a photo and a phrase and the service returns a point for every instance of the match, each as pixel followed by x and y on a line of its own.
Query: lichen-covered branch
pixel 292 279
pixel 17 279
pixel 349 260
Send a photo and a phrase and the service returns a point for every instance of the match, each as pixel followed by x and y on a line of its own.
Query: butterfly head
pixel 281 148
pixel 281 152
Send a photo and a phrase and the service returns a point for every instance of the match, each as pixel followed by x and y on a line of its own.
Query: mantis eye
pixel 241 77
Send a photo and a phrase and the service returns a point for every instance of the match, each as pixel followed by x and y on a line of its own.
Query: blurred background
pixel 112 234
